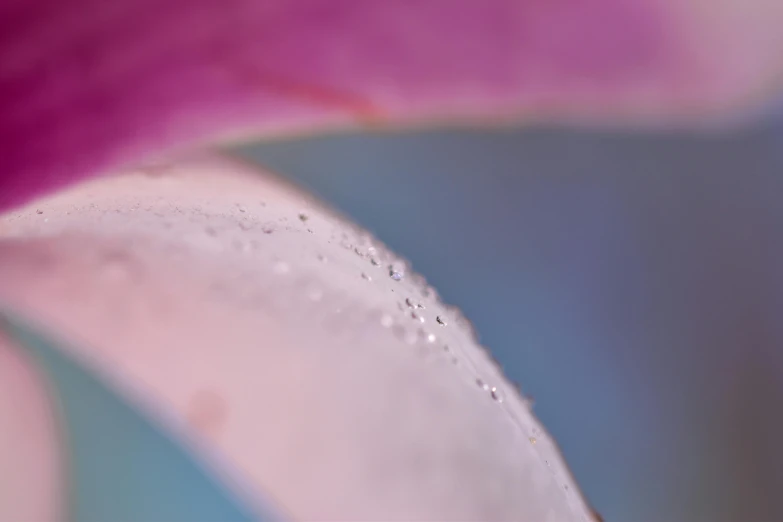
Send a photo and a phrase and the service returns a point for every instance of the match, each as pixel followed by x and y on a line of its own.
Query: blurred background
pixel 631 283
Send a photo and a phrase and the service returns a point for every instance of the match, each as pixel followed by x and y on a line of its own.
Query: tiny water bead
pixel 494 392
pixel 39 211
pixel 395 273
pixel 417 317
pixel 374 262
pixel 441 321
pixel 431 338
pixel 366 277
pixel 532 440
pixel 303 217
pixel 409 302
pixel 497 394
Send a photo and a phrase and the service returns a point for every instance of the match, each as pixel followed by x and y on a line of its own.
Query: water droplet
pixel 303 217
pixel 387 320
pixel 481 384
pixel 244 225
pixel 372 250
pixel 281 267
pixel 532 440
pixel 39 211
pixel 410 303
pixel 431 338
pixel 497 394
pixel 421 306
pixel 417 317
pixel 374 262
pixel 268 229
pixel 441 321
pixel 395 273
pixel 358 251
pixel 241 208
pixel 367 277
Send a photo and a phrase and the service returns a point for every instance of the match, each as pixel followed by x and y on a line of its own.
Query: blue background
pixel 632 283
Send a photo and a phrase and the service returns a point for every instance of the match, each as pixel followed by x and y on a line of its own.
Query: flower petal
pixel 90 84
pixel 292 345
pixel 31 485
pixel 120 465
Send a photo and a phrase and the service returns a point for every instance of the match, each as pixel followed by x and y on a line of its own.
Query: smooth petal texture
pixel 31 481
pixel 274 335
pixel 86 85
pixel 121 465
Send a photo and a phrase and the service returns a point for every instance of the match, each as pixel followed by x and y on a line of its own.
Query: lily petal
pixel 86 85
pixel 292 345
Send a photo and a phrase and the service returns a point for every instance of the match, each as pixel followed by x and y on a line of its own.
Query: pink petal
pixel 30 481
pixel 256 323
pixel 89 84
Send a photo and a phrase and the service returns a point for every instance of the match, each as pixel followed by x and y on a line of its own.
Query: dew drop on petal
pixel 441 321
pixel 366 277
pixel 395 274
